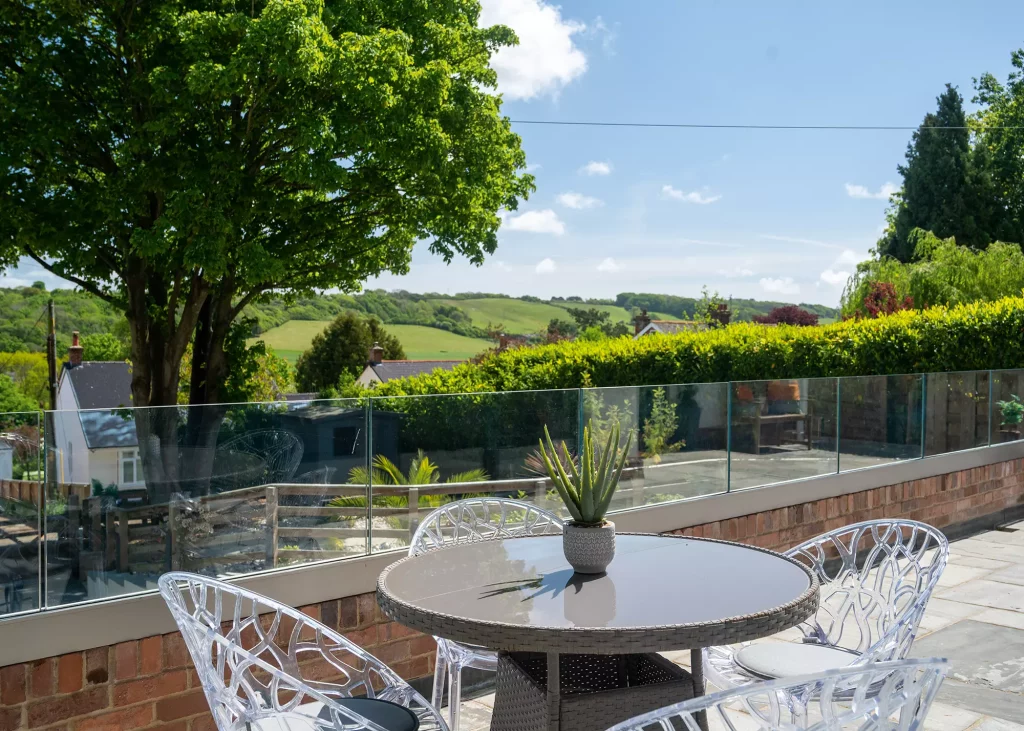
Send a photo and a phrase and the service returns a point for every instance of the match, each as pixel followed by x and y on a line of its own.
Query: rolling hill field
pixel 420 342
pixel 523 318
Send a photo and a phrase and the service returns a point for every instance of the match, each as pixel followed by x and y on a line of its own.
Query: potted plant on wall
pixel 586 489
pixel 1012 413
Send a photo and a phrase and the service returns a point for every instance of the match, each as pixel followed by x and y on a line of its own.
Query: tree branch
pixel 87 286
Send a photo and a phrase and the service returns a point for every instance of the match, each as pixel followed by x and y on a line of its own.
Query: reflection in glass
pixel 21 498
pixel 444 448
pixel 956 411
pixel 880 420
pixel 221 490
pixel 782 430
pixel 1007 405
pixel 680 446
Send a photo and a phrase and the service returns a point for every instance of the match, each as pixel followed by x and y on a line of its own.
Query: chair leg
pixel 440 674
pixel 454 695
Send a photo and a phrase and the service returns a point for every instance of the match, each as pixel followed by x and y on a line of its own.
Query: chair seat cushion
pixel 389 715
pixel 788 659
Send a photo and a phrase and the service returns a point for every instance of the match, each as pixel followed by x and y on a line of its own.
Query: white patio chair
pixel 876 578
pixel 267 667
pixel 465 521
pixel 877 696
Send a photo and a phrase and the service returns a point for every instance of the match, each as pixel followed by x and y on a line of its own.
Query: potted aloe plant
pixel 586 488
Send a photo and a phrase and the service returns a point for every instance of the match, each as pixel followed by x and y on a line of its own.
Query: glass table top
pixel 653 581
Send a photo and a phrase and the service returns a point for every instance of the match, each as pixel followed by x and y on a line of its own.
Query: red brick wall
pixel 150 683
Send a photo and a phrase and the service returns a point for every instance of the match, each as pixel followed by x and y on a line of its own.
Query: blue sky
pixel 769 214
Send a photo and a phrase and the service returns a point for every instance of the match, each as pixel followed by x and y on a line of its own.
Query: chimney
pixel 75 351
pixel 376 354
pixel 640 322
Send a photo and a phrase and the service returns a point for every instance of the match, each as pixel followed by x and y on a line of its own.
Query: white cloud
pixel 834 278
pixel 579 201
pixel 596 168
pixel 501 266
pixel 737 272
pixel 694 196
pixel 608 265
pixel 860 191
pixel 546 59
pixel 780 286
pixel 536 222
pixel 546 266
pixel 792 240
pixel 850 258
pixel 533 167
pixel 599 29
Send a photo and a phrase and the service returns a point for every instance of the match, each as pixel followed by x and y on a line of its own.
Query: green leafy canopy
pixel 182 158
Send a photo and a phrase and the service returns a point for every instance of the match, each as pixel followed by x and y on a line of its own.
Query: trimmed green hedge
pixel 967 337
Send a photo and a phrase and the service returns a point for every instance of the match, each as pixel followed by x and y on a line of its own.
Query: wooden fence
pixel 271 525
pixel 29 491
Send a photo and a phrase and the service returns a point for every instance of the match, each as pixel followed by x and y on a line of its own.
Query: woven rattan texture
pixel 596 690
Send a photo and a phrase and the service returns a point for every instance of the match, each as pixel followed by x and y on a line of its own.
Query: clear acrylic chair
pixel 879 696
pixel 267 667
pixel 465 521
pixel 876 578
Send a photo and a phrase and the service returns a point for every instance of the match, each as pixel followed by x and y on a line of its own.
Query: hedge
pixel 980 336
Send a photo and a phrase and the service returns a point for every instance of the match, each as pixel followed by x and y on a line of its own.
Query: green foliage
pixel 586 490
pixel 12 399
pixel 183 159
pixel 30 375
pixel 685 308
pixel 23 326
pixel 976 336
pixel 937 194
pixel 421 472
pixel 660 426
pixel 104 347
pixel 342 347
pixel 942 273
pixel 1012 411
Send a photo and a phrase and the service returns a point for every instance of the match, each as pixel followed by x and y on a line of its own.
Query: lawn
pixel 419 342
pixel 521 318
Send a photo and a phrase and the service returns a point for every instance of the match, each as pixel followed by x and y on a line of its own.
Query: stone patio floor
pixel 975 619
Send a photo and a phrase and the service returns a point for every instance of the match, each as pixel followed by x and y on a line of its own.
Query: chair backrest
pixel 482 519
pixel 880 696
pixel 257 658
pixel 876 578
pixel 280 449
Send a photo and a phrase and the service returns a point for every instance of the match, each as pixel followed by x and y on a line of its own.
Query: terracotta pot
pixel 783 391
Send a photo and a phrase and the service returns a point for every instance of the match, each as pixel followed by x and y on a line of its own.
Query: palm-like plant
pixel 587 490
pixel 421 472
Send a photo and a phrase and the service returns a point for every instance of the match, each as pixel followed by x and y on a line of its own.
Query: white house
pixel 93 440
pixel 378 370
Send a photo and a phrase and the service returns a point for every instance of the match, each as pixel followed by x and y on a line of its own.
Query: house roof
pixel 389 370
pixel 670 327
pixel 102 384
pixel 100 387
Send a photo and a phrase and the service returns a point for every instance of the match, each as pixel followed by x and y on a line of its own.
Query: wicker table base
pixel 537 692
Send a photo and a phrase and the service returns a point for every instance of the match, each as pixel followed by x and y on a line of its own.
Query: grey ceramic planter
pixel 589 549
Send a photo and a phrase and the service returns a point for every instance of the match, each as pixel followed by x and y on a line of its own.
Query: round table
pixel 661 593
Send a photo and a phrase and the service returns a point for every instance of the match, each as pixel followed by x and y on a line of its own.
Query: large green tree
pixel 180 159
pixel 937 193
pixel 1000 141
pixel 343 347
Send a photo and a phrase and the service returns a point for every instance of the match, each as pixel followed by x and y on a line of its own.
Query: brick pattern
pixel 151 684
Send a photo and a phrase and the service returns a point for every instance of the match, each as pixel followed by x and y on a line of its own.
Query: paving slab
pixel 1013 574
pixel 987 594
pixel 987 667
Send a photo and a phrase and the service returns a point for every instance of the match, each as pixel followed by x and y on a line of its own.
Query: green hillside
pixel 516 316
pixel 420 342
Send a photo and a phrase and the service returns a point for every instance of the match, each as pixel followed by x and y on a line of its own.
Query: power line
pixel 685 125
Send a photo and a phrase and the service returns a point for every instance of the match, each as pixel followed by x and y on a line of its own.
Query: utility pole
pixel 51 356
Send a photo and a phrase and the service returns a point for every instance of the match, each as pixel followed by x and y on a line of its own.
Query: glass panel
pixel 431 450
pixel 956 411
pixel 220 490
pixel 879 420
pixel 21 498
pixel 782 430
pixel 679 442
pixel 1007 409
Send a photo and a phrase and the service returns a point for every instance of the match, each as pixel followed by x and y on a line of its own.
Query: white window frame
pixel 129 455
